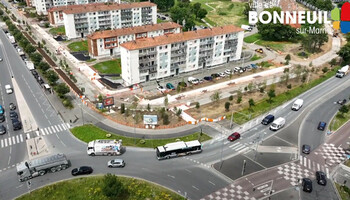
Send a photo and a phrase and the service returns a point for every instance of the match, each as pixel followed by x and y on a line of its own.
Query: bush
pixel 112 187
pixel 142 141
pixel 198 105
pixel 122 108
pixel 166 119
pixel 289 86
pixel 230 98
pixel 67 103
pixel 227 106
pixel 108 135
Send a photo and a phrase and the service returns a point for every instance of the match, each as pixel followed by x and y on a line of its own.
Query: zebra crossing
pixel 6 142
pixel 312 165
pixel 239 147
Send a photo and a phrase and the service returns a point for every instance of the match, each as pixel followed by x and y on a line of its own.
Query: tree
pixel 43 66
pixel 313 42
pixel 166 102
pixel 112 187
pixel 247 8
pixel 250 87
pixel 297 71
pixel 325 70
pixel 251 103
pixel 196 7
pixel 100 98
pixel 287 58
pixel 148 107
pixel 227 106
pixel 202 13
pixel 344 53
pixel 344 109
pixel 178 112
pixel 29 49
pixel 239 97
pixel 333 62
pixel 215 97
pixel 198 105
pixel 1 12
pixel 271 94
pixel 51 77
pixel 164 5
pixel 36 58
pixel 122 108
pixel 183 14
pixel 230 98
pixel 62 89
pixel 166 119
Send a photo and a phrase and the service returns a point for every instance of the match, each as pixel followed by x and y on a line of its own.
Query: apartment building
pixel 43 6
pixel 107 42
pixel 168 55
pixel 80 21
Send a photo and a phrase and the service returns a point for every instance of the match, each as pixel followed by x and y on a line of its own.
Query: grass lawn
pixel 91 60
pixel 160 21
pixel 78 46
pixel 109 67
pixel 256 38
pixel 255 57
pixel 264 106
pixel 252 38
pixel 91 188
pixel 347 163
pixel 343 194
pixel 58 31
pixel 339 120
pixel 90 132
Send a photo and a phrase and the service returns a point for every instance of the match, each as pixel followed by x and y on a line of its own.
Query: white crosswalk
pixel 314 166
pixel 6 142
pixel 239 147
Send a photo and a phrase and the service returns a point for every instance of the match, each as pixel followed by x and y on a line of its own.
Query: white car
pixel 161 88
pixel 222 74
pixel 0 59
pixel 236 69
pixel 228 71
pixel 8 89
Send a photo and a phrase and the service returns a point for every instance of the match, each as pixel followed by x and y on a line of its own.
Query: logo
pixel 341 19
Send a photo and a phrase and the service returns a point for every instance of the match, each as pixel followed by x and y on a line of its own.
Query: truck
pixel 37 167
pixel 246 27
pixel 12 39
pixel 30 65
pixel 104 147
pixel 342 72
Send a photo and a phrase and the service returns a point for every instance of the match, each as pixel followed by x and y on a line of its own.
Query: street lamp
pixel 133 116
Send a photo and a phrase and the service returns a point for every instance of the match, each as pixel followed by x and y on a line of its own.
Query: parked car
pixel 306 149
pixel 268 119
pixel 13 115
pixel 35 73
pixel 40 80
pixel 222 74
pixel 228 71
pixel 16 124
pixel 0 59
pixel 170 86
pixel 236 69
pixel 8 89
pixel 234 136
pixel 2 118
pixel 307 185
pixel 254 66
pixel 341 102
pixel 12 106
pixel 116 163
pixel 208 78
pixel 82 170
pixel 321 126
pixel 321 178
pixel 2 129
pixel 161 88
pixel 1 110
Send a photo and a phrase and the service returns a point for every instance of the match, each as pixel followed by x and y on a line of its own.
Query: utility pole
pixel 244 165
pixel 222 149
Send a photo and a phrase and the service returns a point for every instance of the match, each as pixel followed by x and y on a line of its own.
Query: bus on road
pixel 176 149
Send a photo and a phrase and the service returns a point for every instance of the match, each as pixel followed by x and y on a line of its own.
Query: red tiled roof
pixel 133 30
pixel 179 37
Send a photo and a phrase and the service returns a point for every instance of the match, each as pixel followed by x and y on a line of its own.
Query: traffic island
pixel 36 147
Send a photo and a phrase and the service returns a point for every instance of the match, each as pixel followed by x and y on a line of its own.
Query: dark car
pixel 2 130
pixel 2 118
pixel 268 119
pixel 234 136
pixel 307 185
pixel 321 126
pixel 321 178
pixel 17 125
pixel 170 86
pixel 306 149
pixel 35 73
pixel 13 115
pixel 208 78
pixel 40 80
pixel 12 106
pixel 182 84
pixel 216 75
pixel 82 170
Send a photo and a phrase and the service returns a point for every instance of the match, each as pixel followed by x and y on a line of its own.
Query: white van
pixel 8 89
pixel 297 104
pixel 193 80
pixel 277 124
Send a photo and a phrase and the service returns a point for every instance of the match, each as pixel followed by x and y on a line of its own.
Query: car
pixel 8 89
pixel 1 110
pixel 16 124
pixel 341 102
pixel 82 170
pixel 306 149
pixel 12 106
pixel 260 50
pixel 2 129
pixel 216 75
pixel 0 59
pixel 170 86
pixel 307 185
pixel 254 66
pixel 321 126
pixel 236 69
pixel 268 119
pixel 2 118
pixel 321 178
pixel 200 80
pixel 222 74
pixel 13 115
pixel 40 80
pixel 161 88
pixel 182 84
pixel 208 78
pixel 163 18
pixel 234 136
pixel 116 163
pixel 228 71
pixel 35 73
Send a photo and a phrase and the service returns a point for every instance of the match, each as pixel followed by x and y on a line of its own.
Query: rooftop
pixel 133 30
pixel 179 37
pixel 95 7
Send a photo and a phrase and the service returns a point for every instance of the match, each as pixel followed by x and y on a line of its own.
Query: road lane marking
pixel 42 132
pixel 231 146
pixel 226 142
pixel 13 140
pixel 301 160
pixel 48 128
pixel 195 187
pixel 309 163
pixel 17 138
pixel 47 132
pixel 318 167
pixel 305 162
pixel 211 183
pixel 327 172
pixel 59 126
pixel 68 125
pixel 21 137
pixel 64 126
pixel 240 148
pixel 313 165
pixel 37 133
pixel 2 143
pixel 171 176
pixel 53 130
pixel 10 143
pixel 28 136
pixel 243 150
pixel 56 128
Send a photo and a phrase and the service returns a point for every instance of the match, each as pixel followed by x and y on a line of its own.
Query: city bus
pixel 176 149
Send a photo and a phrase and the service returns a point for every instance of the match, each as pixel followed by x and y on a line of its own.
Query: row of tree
pixel 185 14
pixel 344 52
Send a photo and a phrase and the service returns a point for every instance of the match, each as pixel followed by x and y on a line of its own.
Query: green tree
pixel 344 53
pixel 122 108
pixel 148 107
pixel 112 187
pixel 61 89
pixel 250 87
pixel 230 98
pixel 51 77
pixel 325 70
pixel 227 106
pixel 36 58
pixel 239 97
pixel 198 105
pixel 164 5
pixel 166 119
pixel 202 13
pixel 29 49
pixel 182 13
pixel 271 94
pixel 196 7
pixel 344 109
pixel 247 8
pixel 333 62
pixel 251 103
pixel 287 58
pixel 215 97
pixel 43 66
pixel 100 98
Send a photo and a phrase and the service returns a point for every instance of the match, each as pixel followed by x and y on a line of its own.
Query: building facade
pixel 85 19
pixel 107 42
pixel 168 55
pixel 43 6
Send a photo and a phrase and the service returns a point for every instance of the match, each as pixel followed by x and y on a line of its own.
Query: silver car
pixel 116 163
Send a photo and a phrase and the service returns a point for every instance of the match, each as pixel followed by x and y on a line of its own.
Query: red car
pixel 234 136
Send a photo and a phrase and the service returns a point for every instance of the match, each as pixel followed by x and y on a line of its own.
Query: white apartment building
pixel 86 19
pixel 43 6
pixel 107 42
pixel 168 55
